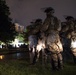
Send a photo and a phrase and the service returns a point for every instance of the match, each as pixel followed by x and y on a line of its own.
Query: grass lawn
pixel 22 67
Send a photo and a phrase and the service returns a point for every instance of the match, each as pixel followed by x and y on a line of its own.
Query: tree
pixel 20 36
pixel 7 28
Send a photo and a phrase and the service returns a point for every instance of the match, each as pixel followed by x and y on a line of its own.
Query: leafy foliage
pixel 7 28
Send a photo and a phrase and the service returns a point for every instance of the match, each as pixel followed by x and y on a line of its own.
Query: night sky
pixel 24 11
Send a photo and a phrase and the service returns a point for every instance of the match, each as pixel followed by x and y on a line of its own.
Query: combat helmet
pixel 49 9
pixel 38 20
pixel 69 18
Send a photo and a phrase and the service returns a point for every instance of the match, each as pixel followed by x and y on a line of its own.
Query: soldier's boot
pixel 60 61
pixel 60 64
pixel 35 58
pixel 74 58
pixel 54 65
pixel 31 55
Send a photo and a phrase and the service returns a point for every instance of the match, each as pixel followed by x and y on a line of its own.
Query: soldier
pixel 71 34
pixel 51 28
pixel 67 28
pixel 73 45
pixel 33 40
pixel 69 24
pixel 37 24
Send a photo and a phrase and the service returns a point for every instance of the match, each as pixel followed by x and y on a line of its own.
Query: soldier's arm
pixel 57 24
pixel 45 25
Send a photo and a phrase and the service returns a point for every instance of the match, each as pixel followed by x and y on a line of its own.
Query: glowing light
pixel 40 46
pixel 73 44
pixel 16 43
pixel 1 56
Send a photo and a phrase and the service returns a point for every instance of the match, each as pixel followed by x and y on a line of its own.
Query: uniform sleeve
pixel 57 24
pixel 45 25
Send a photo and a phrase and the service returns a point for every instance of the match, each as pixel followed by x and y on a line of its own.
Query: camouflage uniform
pixel 32 46
pixel 34 30
pixel 51 27
pixel 67 28
pixel 71 34
pixel 73 45
pixel 32 41
pixel 38 24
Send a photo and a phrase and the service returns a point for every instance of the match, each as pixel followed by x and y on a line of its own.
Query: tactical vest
pixel 70 25
pixel 51 23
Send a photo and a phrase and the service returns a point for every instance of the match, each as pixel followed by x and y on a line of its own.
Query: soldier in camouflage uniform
pixel 67 28
pixel 73 45
pixel 33 40
pixel 71 34
pixel 38 24
pixel 51 28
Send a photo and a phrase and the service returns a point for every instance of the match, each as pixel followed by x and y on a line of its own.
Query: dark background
pixel 24 11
